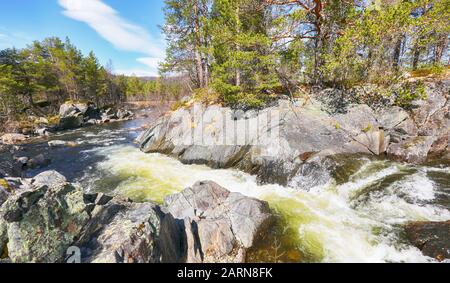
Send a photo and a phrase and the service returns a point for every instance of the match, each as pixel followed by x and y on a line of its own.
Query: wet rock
pixel 124 114
pixel 432 238
pixel 440 149
pixel 11 139
pixel 71 122
pixel 49 178
pixel 38 161
pixel 220 226
pixel 58 143
pixel 42 132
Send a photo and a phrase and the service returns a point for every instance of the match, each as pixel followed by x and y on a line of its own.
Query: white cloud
pixel 119 32
pixel 150 61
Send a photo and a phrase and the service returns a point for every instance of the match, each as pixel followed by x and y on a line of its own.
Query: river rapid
pixel 358 217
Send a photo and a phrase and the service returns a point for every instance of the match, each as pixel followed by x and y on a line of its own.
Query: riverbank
pixel 367 211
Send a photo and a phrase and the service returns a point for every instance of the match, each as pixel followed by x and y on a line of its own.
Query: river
pixel 357 218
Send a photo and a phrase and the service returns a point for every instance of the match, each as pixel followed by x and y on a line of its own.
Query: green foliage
pixel 250 51
pixel 430 70
pixel 410 92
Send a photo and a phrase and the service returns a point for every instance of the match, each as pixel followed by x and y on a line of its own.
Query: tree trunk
pixel 416 57
pixel 441 46
pixel 198 56
pixel 238 47
pixel 398 53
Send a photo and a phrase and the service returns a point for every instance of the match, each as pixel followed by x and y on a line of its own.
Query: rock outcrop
pixel 219 226
pixel 76 115
pixel 42 218
pixel 122 232
pixel 432 238
pixel 39 223
pixel 276 143
pixel 290 143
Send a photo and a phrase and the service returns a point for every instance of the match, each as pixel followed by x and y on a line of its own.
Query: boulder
pixel 58 143
pixel 74 115
pixel 38 225
pixel 270 143
pixel 46 215
pixel 219 226
pixel 432 114
pixel 11 139
pixel 71 109
pixel 42 132
pixel 71 122
pixel 122 232
pixel 440 149
pixel 397 122
pixel 432 238
pixel 412 150
pixel 124 114
pixel 38 161
pixel 49 178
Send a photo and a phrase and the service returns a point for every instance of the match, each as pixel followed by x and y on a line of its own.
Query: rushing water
pixel 357 218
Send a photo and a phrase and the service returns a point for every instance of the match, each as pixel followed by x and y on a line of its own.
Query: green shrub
pixel 409 93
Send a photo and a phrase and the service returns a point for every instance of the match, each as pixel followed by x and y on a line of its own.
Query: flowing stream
pixel 357 218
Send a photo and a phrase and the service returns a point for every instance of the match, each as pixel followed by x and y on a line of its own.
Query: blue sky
pixel 125 31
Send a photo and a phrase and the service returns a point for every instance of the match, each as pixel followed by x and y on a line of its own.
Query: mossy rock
pixel 4 184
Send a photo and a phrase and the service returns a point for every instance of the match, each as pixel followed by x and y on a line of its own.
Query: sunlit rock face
pixel 272 143
pixel 279 143
pixel 219 226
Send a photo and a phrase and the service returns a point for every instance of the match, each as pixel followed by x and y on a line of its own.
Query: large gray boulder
pixel 281 143
pixel 45 215
pixel 123 232
pixel 272 143
pixel 71 122
pixel 219 226
pixel 42 218
pixel 39 224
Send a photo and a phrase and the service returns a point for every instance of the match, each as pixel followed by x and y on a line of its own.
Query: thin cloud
pixel 112 27
pixel 136 72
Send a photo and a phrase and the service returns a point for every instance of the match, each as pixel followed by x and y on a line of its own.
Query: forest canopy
pixel 243 52
pixel 52 72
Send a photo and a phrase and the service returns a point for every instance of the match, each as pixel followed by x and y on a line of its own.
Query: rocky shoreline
pixel 204 223
pixel 302 141
pixel 71 116
pixel 296 143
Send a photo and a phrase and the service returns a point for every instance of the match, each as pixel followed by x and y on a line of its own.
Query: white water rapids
pixel 356 221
